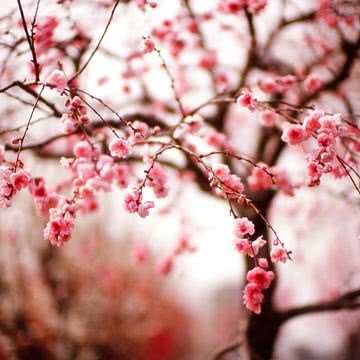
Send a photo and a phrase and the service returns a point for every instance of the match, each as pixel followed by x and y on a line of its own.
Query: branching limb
pixel 348 301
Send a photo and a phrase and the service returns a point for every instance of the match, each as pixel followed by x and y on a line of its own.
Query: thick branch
pixel 348 301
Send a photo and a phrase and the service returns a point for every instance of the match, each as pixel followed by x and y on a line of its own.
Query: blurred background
pixel 102 295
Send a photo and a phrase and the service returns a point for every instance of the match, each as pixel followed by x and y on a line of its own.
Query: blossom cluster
pixel 76 115
pixel 92 172
pixel 57 80
pixel 10 183
pixel 44 34
pixel 264 177
pixel 259 279
pixel 141 4
pixel 325 130
pixel 243 229
pixel 133 203
pixel 44 198
pixel 156 178
pixel 278 84
pixel 225 184
pixel 61 222
pixel 235 6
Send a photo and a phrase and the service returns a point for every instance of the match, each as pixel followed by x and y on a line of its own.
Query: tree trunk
pixel 263 329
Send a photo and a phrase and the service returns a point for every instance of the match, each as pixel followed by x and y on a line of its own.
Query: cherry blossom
pixel 260 277
pixel 120 147
pixel 293 134
pixel 312 83
pixel 247 100
pixel 61 223
pixel 57 79
pixel 253 297
pixel 248 247
pixel 20 179
pixel 279 255
pixel 243 226
pixel 148 46
pixel 164 266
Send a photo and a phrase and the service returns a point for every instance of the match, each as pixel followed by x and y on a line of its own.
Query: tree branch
pixel 98 44
pixel 348 301
pixel 30 40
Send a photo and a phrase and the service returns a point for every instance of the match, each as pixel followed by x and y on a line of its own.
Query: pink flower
pixel 122 175
pixel 293 134
pixel 165 266
pixel 144 208
pixel 85 171
pixel 120 147
pixel 140 253
pixel 6 188
pixel 267 118
pixel 243 226
pixel 221 170
pixel 60 225
pixel 20 179
pixel 255 6
pixel 216 139
pixel 194 123
pixel 147 46
pixel 131 201
pixel 279 254
pixel 313 174
pixel 324 140
pixel 280 84
pixel 246 99
pixel 140 130
pixel 141 4
pixel 248 247
pixel 259 179
pixel 232 6
pixel 282 181
pixel 57 80
pixel 311 122
pixel 260 277
pixel 83 149
pixel 208 60
pixel 44 32
pixel 263 263
pixel 329 124
pixel 158 178
pixel 69 125
pixel 253 297
pixel 231 184
pixel 269 86
pixel 312 83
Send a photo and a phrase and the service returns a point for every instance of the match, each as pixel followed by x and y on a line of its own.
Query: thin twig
pixel 30 41
pixel 98 44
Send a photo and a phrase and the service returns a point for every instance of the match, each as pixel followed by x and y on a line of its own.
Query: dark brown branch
pixel 226 350
pixel 27 87
pixel 348 301
pixel 30 40
pixel 201 38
